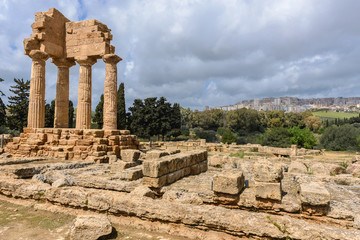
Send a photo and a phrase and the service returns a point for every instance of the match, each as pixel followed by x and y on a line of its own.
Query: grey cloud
pixel 207 52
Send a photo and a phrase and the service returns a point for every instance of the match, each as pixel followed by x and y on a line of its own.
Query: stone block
pixel 132 174
pixel 154 154
pixel 203 166
pixel 266 171
pixel 155 168
pixel 314 194
pixel 124 132
pixel 155 182
pixel 119 166
pixel 268 191
pixel 130 155
pixel 195 169
pixel 174 176
pixel 98 154
pixel 297 167
pixel 229 182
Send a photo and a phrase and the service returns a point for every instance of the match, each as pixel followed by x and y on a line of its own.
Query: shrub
pixel 340 138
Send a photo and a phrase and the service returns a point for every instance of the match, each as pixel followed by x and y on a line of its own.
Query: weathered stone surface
pixel 132 174
pixel 268 191
pixel 119 166
pixel 314 194
pixel 155 168
pixel 266 171
pixel 143 191
pixel 110 92
pixel 182 197
pixel 335 169
pixel 229 182
pixel 238 222
pixel 354 169
pixel 290 203
pixel 130 155
pixel 297 167
pixel 320 169
pixel 90 227
pixel 155 154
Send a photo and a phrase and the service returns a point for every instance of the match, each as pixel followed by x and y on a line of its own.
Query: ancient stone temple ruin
pixel 65 42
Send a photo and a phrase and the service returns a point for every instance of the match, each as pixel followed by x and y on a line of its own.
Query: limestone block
pixel 174 176
pixel 90 227
pixel 132 174
pixel 143 191
pixel 247 198
pixel 130 155
pixel 155 182
pixel 229 182
pixel 266 171
pixel 268 191
pixel 314 194
pixel 195 169
pixel 98 154
pixel 155 168
pixel 319 169
pixel 297 167
pixel 119 166
pixel 203 166
pixel 154 154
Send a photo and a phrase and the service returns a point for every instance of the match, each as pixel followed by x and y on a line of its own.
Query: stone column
pixel 110 92
pixel 61 118
pixel 83 112
pixel 36 112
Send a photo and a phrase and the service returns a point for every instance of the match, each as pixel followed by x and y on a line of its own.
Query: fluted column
pixel 36 112
pixel 110 92
pixel 61 118
pixel 83 112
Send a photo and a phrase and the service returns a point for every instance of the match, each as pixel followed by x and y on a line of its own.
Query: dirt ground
pixel 24 222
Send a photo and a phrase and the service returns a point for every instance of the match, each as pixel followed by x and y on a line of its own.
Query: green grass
pixel 238 154
pixel 36 218
pixel 333 115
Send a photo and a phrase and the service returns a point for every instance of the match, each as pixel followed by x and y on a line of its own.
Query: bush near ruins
pixel 341 138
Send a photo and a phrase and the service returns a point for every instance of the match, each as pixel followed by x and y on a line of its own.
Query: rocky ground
pixel 250 195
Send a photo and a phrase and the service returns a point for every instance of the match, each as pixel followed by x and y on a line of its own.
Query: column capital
pixel 111 58
pixel 63 62
pixel 38 55
pixel 85 61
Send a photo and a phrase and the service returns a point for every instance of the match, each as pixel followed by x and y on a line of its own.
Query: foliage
pixel 238 154
pixel 71 114
pixel 277 137
pixel 209 135
pixel 2 108
pixel 228 137
pixel 99 113
pixel 302 137
pixel 313 123
pixel 244 120
pixel 18 104
pixel 341 138
pixel 154 117
pixel 49 114
pixel 275 119
pixel 121 110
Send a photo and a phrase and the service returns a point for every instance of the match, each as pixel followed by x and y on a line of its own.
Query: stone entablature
pixel 54 36
pixel 70 143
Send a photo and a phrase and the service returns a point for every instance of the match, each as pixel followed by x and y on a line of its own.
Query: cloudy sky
pixel 204 52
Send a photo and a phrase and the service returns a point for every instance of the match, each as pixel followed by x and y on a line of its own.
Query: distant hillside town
pixel 293 104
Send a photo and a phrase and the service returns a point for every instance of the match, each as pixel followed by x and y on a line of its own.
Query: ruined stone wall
pixel 166 170
pixel 68 143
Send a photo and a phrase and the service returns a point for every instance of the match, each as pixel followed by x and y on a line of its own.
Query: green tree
pixel 244 121
pixel 175 121
pixel 121 110
pixel 71 114
pixel 275 119
pixel 18 104
pixel 277 137
pixel 313 123
pixel 99 112
pixel 228 137
pixel 302 137
pixel 186 119
pixel 49 114
pixel 341 138
pixel 2 109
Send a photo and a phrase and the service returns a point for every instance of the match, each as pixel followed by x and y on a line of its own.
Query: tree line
pixel 156 117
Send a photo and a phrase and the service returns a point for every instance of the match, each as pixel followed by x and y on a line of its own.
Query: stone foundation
pixel 70 143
